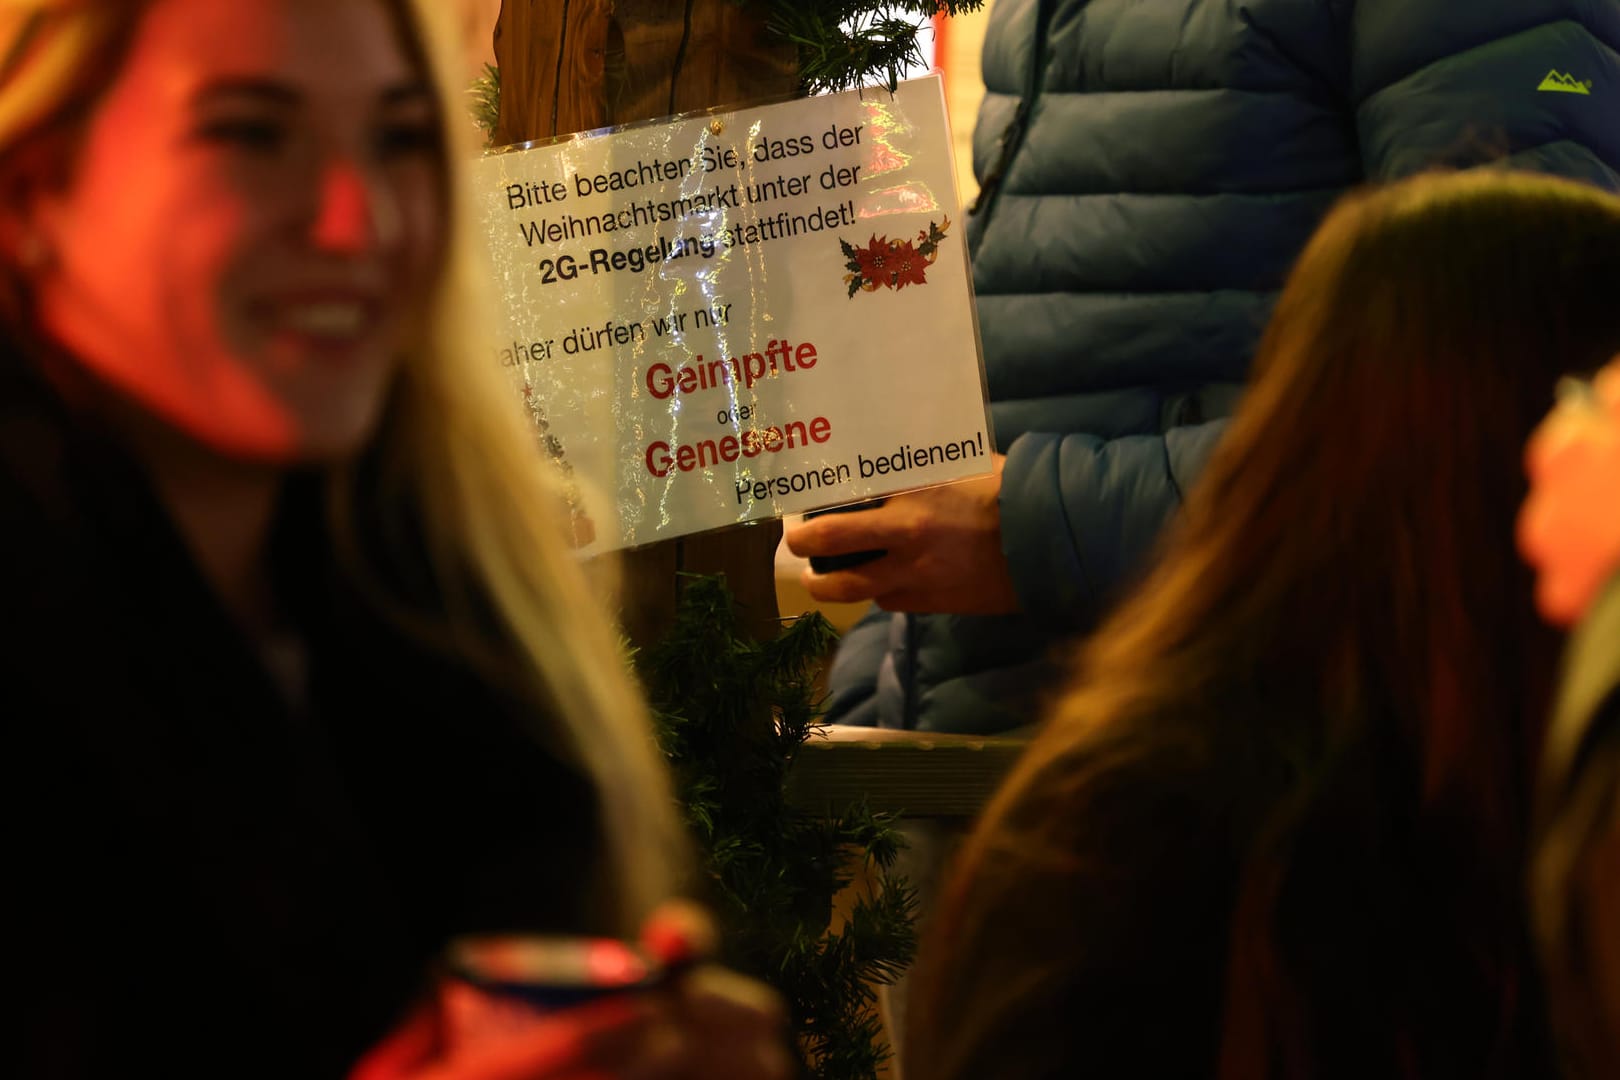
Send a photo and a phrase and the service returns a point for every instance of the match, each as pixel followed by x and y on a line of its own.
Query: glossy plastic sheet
pixel 732 316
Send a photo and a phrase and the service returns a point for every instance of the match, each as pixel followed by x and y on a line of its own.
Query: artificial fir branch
pixel 845 43
pixel 837 57
pixel 484 100
pixel 732 715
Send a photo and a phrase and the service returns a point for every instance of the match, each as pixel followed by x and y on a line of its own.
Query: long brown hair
pixel 1342 586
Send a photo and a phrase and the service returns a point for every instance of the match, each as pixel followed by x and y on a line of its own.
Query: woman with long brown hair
pixel 1275 827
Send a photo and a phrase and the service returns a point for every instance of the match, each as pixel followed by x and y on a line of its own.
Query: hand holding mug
pixel 702 1021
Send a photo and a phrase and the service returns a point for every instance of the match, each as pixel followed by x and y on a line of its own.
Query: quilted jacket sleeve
pixel 1079 513
pixel 1531 83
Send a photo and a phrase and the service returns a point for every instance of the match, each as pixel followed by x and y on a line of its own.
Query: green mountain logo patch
pixel 1557 82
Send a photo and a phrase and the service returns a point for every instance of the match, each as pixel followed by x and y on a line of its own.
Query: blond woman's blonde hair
pixel 456 442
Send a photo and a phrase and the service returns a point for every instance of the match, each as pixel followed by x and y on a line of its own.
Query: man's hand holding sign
pixel 942 551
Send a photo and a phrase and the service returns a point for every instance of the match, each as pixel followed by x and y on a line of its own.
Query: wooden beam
pixel 748 66
pixel 574 65
pixel 650 34
pixel 552 56
pixel 911 773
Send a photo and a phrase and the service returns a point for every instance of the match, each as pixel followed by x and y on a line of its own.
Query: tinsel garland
pixel 732 714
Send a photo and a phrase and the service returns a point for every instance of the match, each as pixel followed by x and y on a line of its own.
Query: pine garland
pixel 732 714
pixel 484 100
pixel 844 43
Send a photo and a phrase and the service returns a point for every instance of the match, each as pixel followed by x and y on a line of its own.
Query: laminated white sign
pixel 721 318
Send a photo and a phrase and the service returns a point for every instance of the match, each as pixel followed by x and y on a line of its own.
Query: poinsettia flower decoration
pixel 872 261
pixel 910 267
pixel 892 264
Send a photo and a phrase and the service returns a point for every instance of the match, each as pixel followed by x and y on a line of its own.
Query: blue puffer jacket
pixel 1146 188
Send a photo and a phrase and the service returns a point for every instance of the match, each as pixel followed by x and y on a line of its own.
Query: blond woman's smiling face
pixel 251 224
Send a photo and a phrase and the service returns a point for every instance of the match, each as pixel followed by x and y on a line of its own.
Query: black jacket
pixel 211 881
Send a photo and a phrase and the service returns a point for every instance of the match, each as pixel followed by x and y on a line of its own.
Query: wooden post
pixel 573 65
